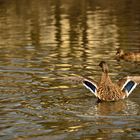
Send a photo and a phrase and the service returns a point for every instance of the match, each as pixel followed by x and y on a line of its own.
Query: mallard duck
pixel 129 56
pixel 105 89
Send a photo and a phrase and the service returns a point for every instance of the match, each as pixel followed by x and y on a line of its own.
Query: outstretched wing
pixel 92 86
pixel 88 83
pixel 129 83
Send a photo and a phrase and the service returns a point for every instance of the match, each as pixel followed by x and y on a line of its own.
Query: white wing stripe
pixel 91 86
pixel 129 86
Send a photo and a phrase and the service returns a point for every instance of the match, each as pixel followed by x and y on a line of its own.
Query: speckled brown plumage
pixel 129 56
pixel 107 90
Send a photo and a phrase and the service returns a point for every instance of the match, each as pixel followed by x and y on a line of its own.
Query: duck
pixel 129 56
pixel 105 89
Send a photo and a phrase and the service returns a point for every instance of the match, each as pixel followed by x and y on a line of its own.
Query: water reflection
pixel 41 40
pixel 94 120
pixel 120 107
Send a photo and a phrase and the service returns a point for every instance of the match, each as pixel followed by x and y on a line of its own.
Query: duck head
pixel 104 66
pixel 119 52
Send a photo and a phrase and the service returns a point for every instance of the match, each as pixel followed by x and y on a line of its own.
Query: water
pixel 41 41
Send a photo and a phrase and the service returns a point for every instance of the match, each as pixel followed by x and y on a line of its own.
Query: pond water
pixel 43 40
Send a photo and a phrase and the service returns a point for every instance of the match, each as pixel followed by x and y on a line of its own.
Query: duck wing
pixel 87 82
pixel 128 84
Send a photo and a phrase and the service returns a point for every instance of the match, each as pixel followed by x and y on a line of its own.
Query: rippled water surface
pixel 43 40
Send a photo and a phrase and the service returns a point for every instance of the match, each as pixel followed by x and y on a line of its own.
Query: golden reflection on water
pixel 103 29
pixel 53 24
pixel 36 26
pixel 41 40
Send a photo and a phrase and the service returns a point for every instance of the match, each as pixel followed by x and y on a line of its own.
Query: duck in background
pixel 105 89
pixel 128 56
